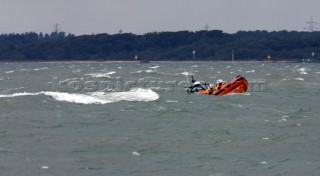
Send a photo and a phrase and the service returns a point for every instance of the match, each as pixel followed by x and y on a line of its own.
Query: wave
pixel 24 70
pixel 143 71
pixel 299 79
pixel 139 94
pixel 35 69
pixel 111 73
pixel 39 69
pixel 172 101
pixel 185 73
pixel 8 72
pixel 238 94
pixel 251 71
pixel 155 67
pixel 303 71
pixel 101 75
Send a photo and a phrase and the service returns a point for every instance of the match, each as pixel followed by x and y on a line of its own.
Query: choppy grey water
pixel 55 119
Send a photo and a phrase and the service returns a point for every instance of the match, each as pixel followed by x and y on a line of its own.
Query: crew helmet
pixel 219 81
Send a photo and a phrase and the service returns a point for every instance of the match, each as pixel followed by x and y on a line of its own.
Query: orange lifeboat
pixel 237 85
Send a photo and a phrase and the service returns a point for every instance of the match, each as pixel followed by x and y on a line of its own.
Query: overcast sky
pixel 142 16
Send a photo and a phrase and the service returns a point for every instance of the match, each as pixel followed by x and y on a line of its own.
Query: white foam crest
pixel 251 71
pixel 111 73
pixel 76 98
pixel 263 163
pixel 139 71
pixel 101 75
pixel 135 153
pixel 44 167
pixel 96 97
pixel 301 69
pixel 71 79
pixel 154 67
pixel 230 94
pixel 98 75
pixel 138 94
pixel 38 69
pixel 143 71
pixel 299 79
pixel 8 72
pixel 172 101
pixel 18 95
pixel 185 73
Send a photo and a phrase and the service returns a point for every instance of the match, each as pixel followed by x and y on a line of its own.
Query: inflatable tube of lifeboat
pixel 237 85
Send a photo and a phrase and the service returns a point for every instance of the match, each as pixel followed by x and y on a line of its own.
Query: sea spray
pixel 139 94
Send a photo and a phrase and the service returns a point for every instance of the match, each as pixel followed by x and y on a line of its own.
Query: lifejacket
pixel 219 85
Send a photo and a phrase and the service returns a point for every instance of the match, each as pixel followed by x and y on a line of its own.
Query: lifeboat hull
pixel 237 85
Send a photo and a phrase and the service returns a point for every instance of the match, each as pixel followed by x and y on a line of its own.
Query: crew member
pixel 210 89
pixel 219 84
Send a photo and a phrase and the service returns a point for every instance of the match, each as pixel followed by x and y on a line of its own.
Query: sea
pixel 137 119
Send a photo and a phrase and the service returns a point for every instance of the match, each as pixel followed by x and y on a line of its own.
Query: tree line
pixel 211 45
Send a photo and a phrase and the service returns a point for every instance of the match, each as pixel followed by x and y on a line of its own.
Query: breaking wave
pixel 144 95
pixel 155 67
pixel 101 75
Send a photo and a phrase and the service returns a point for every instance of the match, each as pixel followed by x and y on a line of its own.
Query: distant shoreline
pixel 155 62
